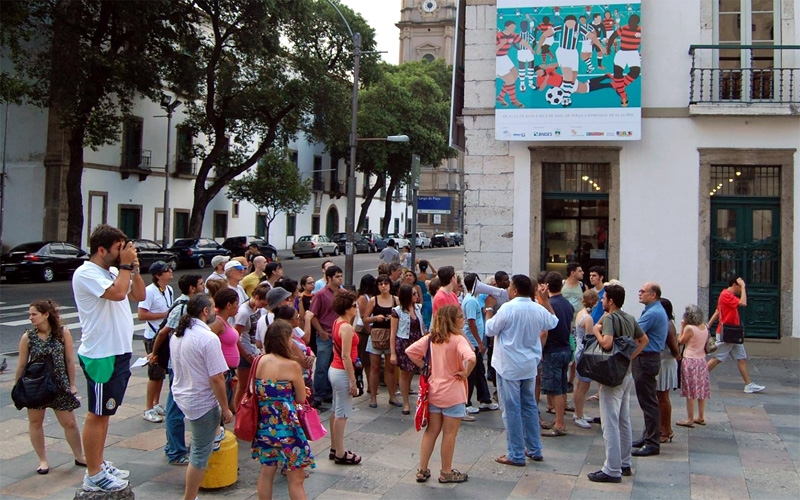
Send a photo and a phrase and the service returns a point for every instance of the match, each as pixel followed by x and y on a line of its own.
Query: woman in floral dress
pixel 695 382
pixel 280 440
pixel 49 337
pixel 406 328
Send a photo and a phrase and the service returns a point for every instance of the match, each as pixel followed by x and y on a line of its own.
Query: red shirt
pixel 443 298
pixel 511 39
pixel 728 305
pixel 337 349
pixel 322 307
pixel 550 76
pixel 631 38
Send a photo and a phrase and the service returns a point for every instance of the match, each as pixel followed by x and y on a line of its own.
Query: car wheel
pixel 201 262
pixel 320 253
pixel 336 251
pixel 48 274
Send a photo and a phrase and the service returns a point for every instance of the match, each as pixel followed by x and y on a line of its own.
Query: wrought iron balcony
pixel 746 76
pixel 136 158
pixel 185 168
pixel 317 184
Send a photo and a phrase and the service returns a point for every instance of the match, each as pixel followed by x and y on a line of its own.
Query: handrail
pixel 725 46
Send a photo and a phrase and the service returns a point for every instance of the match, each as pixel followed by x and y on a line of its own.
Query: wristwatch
pixel 126 267
pixel 489 309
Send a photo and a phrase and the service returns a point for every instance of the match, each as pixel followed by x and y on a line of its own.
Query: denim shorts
pixel 555 368
pixel 455 411
pixel 204 430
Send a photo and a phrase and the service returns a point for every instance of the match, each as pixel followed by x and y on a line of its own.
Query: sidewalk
pixel 749 449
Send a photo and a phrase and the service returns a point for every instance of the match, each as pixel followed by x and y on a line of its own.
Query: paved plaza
pixel 750 448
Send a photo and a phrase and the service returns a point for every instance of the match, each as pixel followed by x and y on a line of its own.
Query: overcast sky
pixel 382 16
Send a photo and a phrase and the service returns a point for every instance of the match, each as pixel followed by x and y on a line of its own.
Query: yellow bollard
pixel 223 465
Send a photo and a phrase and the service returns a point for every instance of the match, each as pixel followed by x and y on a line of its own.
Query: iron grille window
pixel 739 180
pixel 575 178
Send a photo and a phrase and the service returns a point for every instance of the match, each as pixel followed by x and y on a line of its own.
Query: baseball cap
pixel 234 264
pixel 276 296
pixel 159 267
pixel 219 259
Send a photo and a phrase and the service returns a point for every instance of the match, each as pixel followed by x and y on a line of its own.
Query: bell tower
pixel 427 30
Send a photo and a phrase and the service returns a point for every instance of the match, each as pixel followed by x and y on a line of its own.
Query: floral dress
pixel 280 439
pixel 38 349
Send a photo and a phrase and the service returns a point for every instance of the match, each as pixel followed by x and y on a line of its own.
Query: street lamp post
pixel 414 193
pixel 168 106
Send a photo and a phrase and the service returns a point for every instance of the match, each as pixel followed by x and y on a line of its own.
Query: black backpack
pixel 163 349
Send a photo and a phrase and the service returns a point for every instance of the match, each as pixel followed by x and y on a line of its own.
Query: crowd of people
pixel 312 339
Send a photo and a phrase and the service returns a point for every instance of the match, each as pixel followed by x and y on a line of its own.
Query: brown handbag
pixel 247 411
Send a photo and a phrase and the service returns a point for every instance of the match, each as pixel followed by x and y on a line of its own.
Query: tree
pixel 256 73
pixel 88 60
pixel 413 99
pixel 275 186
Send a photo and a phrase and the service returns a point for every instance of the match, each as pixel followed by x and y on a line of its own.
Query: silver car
pixel 314 244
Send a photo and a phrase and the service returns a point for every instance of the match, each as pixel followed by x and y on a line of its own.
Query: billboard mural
pixel 567 72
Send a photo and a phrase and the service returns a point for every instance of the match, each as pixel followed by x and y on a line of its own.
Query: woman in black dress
pixel 49 337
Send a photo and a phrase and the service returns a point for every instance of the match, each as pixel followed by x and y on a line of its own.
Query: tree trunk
pixel 387 208
pixel 74 196
pixel 367 202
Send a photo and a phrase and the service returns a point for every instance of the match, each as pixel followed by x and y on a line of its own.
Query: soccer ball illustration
pixel 555 96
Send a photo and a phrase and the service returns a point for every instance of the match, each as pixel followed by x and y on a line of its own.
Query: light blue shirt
pixel 472 310
pixel 516 328
pixel 655 324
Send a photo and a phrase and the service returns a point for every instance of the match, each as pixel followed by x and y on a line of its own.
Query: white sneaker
pixel 106 483
pixel 489 406
pixel 152 416
pixel 753 387
pixel 472 410
pixel 582 423
pixel 160 410
pixel 118 473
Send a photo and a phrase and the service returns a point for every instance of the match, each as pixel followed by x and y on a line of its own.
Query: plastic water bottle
pixel 359 372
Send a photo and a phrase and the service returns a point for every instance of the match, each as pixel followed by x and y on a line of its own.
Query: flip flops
pixel 503 459
pixel 555 432
pixel 699 422
pixel 685 423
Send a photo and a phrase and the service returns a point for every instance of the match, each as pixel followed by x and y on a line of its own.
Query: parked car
pixel 458 238
pixel 421 240
pixel 361 243
pixel 399 241
pixel 150 251
pixel 314 244
pixel 197 251
pixel 443 240
pixel 376 242
pixel 42 260
pixel 238 246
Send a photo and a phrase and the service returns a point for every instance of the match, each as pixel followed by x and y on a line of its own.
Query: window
pixel 185 155
pixel 291 225
pixel 428 58
pixel 261 224
pixel 235 209
pixel 132 154
pixel 181 226
pixel 318 183
pixel 333 176
pixel 294 158
pixel 738 180
pixel 365 227
pixel 220 224
pixel 315 224
pixel 397 225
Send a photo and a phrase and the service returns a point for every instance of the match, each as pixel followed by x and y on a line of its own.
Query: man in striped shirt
pixel 630 36
pixel 610 25
pixel 504 67
pixel 525 56
pixel 567 51
pixel 600 31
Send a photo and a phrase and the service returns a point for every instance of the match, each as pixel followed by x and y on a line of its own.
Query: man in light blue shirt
pixel 474 331
pixel 517 352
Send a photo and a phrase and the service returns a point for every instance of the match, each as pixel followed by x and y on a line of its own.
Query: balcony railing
pixel 136 158
pixel 318 184
pixel 744 74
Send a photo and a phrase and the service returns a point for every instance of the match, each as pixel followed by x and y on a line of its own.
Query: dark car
pixel 458 238
pixel 197 251
pixel 361 244
pixel 42 260
pixel 376 242
pixel 150 251
pixel 238 246
pixel 442 240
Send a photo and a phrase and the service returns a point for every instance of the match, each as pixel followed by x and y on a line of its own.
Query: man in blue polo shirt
pixel 655 324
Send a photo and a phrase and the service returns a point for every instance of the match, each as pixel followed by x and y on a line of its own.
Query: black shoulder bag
pixel 37 386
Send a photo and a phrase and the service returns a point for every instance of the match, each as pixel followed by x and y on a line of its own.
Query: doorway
pixel 331 221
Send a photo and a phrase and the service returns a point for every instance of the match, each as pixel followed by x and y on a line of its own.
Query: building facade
pixel 710 191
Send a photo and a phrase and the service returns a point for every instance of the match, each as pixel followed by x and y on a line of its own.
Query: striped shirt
pixel 571 36
pixel 509 40
pixel 529 37
pixel 631 38
pixel 610 24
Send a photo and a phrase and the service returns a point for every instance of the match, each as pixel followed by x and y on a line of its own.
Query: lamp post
pixel 414 193
pixel 168 106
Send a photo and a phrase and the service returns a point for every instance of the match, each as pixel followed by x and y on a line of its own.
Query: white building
pixel 123 185
pixel 711 190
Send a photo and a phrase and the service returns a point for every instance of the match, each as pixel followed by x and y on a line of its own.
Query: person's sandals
pixel 349 458
pixel 544 424
pixel 552 411
pixel 685 423
pixel 555 432
pixel 699 421
pixel 503 459
pixel 453 476
pixel 535 458
pixel 423 475
pixel 183 460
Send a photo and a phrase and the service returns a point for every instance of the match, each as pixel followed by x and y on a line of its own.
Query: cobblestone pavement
pixel 750 448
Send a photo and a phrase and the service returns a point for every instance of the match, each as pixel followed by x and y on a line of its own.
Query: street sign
pixel 433 205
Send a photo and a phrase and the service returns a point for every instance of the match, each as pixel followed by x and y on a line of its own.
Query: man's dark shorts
pixel 104 399
pixel 154 372
pixel 555 371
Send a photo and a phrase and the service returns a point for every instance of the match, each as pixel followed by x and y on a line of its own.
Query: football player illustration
pixel 586 46
pixel 541 28
pixel 600 30
pixel 630 37
pixel 567 51
pixel 525 56
pixel 547 77
pixel 504 67
pixel 610 25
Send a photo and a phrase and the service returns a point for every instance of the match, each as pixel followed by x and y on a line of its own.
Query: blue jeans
pixel 176 429
pixel 322 386
pixel 521 418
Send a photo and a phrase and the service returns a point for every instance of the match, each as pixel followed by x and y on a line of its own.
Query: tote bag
pixel 310 422
pixel 607 367
pixel 247 411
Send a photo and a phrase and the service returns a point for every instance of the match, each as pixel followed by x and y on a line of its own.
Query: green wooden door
pixel 129 222
pixel 745 241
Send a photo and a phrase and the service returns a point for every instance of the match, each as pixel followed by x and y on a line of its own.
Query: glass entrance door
pixel 575 230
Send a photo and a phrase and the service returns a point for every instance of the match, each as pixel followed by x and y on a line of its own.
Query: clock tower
pixel 427 32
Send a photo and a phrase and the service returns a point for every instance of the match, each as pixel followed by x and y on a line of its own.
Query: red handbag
pixel 247 411
pixel 423 410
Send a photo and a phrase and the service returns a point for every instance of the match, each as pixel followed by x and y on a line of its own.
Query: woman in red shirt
pixel 451 361
pixel 342 375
